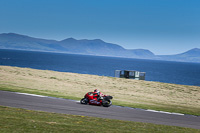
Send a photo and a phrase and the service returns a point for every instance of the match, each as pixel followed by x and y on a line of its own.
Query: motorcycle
pixel 92 98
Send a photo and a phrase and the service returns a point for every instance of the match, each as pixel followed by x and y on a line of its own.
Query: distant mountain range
pixel 88 47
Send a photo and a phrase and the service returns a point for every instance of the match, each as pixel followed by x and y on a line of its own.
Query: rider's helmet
pixel 96 91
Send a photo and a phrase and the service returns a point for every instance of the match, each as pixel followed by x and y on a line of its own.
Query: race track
pixel 57 105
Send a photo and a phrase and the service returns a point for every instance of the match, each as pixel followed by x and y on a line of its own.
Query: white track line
pixel 164 112
pixel 177 114
pixel 31 94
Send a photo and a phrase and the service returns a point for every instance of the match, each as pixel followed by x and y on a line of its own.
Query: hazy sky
pixel 162 26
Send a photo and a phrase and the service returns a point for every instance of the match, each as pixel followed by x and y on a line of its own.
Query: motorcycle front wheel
pixel 106 103
pixel 84 101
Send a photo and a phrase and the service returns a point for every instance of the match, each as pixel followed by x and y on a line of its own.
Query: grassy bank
pixel 21 120
pixel 126 92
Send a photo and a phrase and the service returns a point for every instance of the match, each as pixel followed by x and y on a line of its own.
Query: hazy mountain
pixel 16 41
pixel 89 47
pixel 192 55
pixel 94 47
pixel 70 45
pixel 142 53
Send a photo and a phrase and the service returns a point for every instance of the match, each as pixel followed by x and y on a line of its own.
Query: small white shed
pixel 130 74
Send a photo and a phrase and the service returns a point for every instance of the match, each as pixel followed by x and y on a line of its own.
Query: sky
pixel 164 27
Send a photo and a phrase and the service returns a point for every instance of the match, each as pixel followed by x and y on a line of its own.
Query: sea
pixel 161 71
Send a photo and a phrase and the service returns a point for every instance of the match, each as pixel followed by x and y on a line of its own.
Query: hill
pixel 88 47
pixel 192 55
pixel 70 45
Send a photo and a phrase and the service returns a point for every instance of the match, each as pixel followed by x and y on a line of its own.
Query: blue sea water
pixel 162 71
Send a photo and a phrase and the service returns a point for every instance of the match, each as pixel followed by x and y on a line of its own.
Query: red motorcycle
pixel 92 98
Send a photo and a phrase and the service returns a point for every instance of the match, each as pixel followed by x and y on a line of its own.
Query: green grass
pixel 35 91
pixel 21 120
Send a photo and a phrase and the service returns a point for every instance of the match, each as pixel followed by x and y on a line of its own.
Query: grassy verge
pixel 132 93
pixel 21 120
pixel 35 91
pixel 192 111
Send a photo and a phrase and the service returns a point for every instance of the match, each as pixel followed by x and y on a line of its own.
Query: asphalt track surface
pixel 58 105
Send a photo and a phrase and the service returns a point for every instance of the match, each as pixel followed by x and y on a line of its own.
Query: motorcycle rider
pixel 98 94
